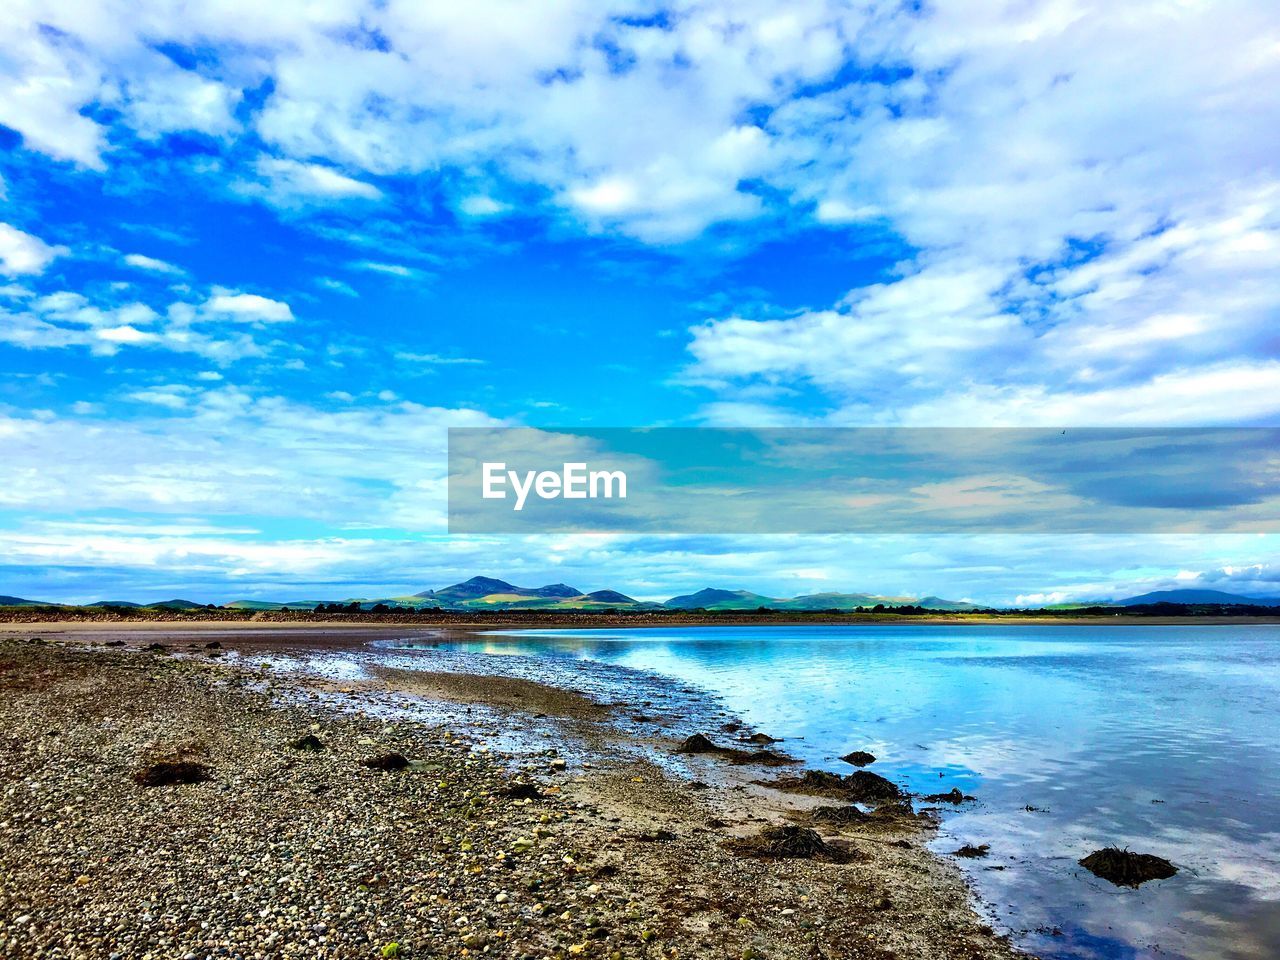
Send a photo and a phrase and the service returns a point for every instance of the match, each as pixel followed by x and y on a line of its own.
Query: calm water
pixel 1163 739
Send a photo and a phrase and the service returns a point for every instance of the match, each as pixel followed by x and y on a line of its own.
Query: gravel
pixel 286 852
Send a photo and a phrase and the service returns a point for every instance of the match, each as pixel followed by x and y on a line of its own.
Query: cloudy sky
pixel 256 257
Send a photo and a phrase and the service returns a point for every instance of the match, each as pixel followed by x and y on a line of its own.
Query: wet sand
pixel 289 853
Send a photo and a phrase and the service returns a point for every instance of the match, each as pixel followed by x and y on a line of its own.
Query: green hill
pixel 19 602
pixel 1197 596
pixel 712 598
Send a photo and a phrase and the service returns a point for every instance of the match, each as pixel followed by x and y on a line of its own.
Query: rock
pixel 310 743
pixel 213 645
pixel 1125 868
pixel 386 761
pixel 165 773
pixel 558 764
pixel 970 852
pixel 859 758
pixel 763 739
pixel 698 744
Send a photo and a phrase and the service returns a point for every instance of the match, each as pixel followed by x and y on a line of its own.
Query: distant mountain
pixel 715 599
pixel 609 596
pixel 712 598
pixel 561 590
pixel 478 588
pixel 491 594
pixel 1196 596
pixel 937 603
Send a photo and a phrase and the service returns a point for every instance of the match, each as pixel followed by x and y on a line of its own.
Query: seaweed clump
pixel 386 761
pixel 701 744
pixel 698 744
pixel 789 842
pixel 861 786
pixel 168 773
pixel 954 795
pixel 521 791
pixel 1125 868
pixel 839 816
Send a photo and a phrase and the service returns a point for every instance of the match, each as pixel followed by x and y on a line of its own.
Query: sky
pixel 255 259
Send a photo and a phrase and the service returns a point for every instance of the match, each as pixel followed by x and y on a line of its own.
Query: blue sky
pixel 255 259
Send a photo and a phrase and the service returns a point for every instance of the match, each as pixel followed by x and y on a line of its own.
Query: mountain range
pixel 488 593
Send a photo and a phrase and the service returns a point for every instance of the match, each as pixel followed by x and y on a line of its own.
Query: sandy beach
pixel 289 847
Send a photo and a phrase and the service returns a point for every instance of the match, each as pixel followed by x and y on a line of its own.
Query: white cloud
pixel 434 359
pixel 209 461
pixel 337 286
pixel 165 99
pixel 479 205
pixel 142 262
pixel 1078 254
pixel 22 254
pixel 246 307
pixel 172 397
pixel 391 269
pixel 67 319
pixel 291 181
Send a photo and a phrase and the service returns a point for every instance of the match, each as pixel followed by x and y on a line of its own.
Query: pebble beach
pixel 300 839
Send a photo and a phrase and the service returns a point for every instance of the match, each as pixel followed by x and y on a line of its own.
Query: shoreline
pixel 652 845
pixel 297 622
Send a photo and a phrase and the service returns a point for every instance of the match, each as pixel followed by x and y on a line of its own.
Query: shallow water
pixel 1162 739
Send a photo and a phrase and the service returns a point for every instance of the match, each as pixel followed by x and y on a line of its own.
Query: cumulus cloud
pixel 246 308
pixel 24 254
pixel 1078 256
pixel 208 329
pixel 1058 237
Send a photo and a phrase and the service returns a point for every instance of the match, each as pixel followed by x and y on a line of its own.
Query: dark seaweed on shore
pixel 1125 868
pixel 167 773
pixel 788 842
